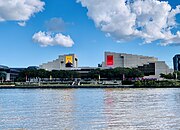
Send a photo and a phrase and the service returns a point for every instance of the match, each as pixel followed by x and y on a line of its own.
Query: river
pixel 87 109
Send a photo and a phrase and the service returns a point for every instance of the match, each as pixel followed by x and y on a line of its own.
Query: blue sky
pixel 18 49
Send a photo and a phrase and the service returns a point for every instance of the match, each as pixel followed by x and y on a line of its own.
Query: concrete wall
pixel 161 67
pixel 133 61
pixel 128 60
pixel 59 63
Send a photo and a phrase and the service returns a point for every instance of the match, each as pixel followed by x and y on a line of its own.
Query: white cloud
pixel 55 25
pixel 48 39
pixel 19 10
pixel 124 20
pixel 22 24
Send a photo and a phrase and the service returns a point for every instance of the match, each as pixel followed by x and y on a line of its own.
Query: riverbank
pixel 62 86
pixel 80 86
pixel 123 84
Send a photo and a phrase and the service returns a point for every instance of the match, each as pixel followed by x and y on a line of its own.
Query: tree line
pixel 174 75
pixel 41 73
pixel 116 73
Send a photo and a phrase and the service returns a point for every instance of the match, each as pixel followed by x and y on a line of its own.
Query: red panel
pixel 110 60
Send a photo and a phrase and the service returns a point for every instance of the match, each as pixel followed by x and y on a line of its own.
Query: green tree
pixel 2 76
pixel 168 76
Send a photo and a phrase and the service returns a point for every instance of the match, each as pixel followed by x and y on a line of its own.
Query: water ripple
pixel 87 109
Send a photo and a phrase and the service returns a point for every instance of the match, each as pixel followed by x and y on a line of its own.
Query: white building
pixel 126 60
pixel 63 62
pixel 149 65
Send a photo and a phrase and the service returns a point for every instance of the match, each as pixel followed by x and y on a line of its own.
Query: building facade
pixel 126 60
pixel 63 62
pixel 154 69
pixel 150 66
pixel 176 62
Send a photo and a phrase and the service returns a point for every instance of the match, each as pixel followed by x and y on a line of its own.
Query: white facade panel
pixel 60 63
pixel 128 60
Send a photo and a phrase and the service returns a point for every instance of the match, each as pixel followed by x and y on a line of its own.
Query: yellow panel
pixel 69 59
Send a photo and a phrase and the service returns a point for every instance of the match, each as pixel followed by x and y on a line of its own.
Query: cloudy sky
pixel 36 31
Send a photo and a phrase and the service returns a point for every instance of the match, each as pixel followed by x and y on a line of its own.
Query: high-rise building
pixel 63 62
pixel 176 62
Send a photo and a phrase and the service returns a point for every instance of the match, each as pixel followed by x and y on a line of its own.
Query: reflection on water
pixel 68 109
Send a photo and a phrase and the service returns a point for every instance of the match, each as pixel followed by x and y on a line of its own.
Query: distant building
pixel 9 74
pixel 63 62
pixel 4 73
pixel 154 69
pixel 33 67
pixel 14 73
pixel 125 60
pixel 150 66
pixel 176 62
